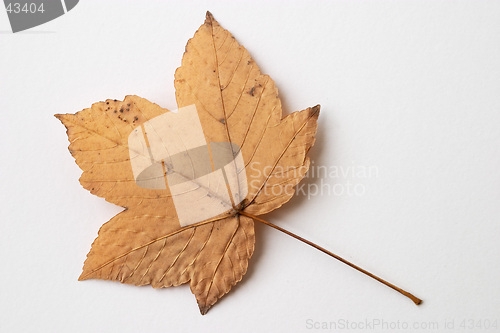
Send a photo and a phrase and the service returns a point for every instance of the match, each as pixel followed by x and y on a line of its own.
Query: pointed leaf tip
pixel 204 309
pixel 60 116
pixel 209 18
pixel 315 109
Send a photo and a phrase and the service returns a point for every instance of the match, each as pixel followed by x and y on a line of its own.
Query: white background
pixel 409 88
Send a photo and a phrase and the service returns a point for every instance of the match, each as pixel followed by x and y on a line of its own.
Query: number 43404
pixel 478 324
pixel 32 8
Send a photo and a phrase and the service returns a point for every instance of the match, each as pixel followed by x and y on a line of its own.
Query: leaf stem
pixel 415 300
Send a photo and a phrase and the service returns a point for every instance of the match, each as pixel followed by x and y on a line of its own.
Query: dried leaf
pixel 150 241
